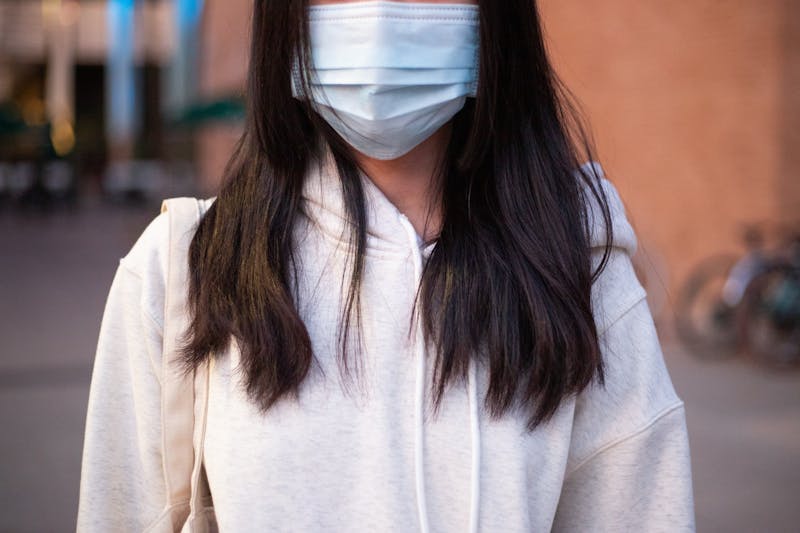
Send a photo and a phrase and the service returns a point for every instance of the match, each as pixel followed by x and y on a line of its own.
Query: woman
pixel 437 322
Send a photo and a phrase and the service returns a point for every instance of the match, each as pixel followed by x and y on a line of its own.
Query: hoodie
pixel 612 458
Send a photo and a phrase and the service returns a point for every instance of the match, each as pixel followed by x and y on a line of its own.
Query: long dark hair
pixel 510 278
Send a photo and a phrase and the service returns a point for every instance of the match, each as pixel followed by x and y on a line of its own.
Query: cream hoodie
pixel 612 459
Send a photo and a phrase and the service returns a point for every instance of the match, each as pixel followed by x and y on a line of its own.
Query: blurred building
pixel 96 86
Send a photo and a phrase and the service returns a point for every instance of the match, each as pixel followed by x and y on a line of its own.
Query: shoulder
pixel 617 288
pixel 148 258
pixel 637 388
pixel 149 252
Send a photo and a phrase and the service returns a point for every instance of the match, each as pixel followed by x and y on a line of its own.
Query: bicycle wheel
pixel 772 317
pixel 705 323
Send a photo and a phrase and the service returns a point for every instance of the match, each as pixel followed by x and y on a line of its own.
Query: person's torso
pixel 331 459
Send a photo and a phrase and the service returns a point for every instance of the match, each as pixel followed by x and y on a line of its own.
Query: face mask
pixel 387 75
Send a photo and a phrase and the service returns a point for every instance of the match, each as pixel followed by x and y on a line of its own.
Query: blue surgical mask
pixel 387 75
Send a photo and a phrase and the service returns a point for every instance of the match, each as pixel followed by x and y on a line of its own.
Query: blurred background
pixel 109 106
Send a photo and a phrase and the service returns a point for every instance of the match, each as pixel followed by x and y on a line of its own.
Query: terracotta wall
pixel 695 107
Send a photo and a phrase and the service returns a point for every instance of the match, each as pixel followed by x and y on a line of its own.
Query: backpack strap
pixel 184 396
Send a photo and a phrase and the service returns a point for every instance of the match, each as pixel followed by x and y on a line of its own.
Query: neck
pixel 410 182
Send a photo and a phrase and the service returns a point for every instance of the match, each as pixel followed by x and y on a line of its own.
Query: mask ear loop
pixel 297 84
pixel 299 91
pixel 476 65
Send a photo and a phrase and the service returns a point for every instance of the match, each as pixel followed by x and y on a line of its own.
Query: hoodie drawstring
pixel 419 405
pixel 476 448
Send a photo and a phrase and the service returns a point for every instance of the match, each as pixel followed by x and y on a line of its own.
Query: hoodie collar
pixel 323 193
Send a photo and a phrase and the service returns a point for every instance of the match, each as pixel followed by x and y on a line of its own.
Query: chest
pixel 346 450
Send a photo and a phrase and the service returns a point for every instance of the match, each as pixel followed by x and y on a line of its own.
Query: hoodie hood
pixel 623 234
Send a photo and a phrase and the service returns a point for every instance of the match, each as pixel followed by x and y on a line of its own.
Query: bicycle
pixel 731 304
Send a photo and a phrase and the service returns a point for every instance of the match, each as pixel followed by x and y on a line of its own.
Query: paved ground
pixel 55 271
